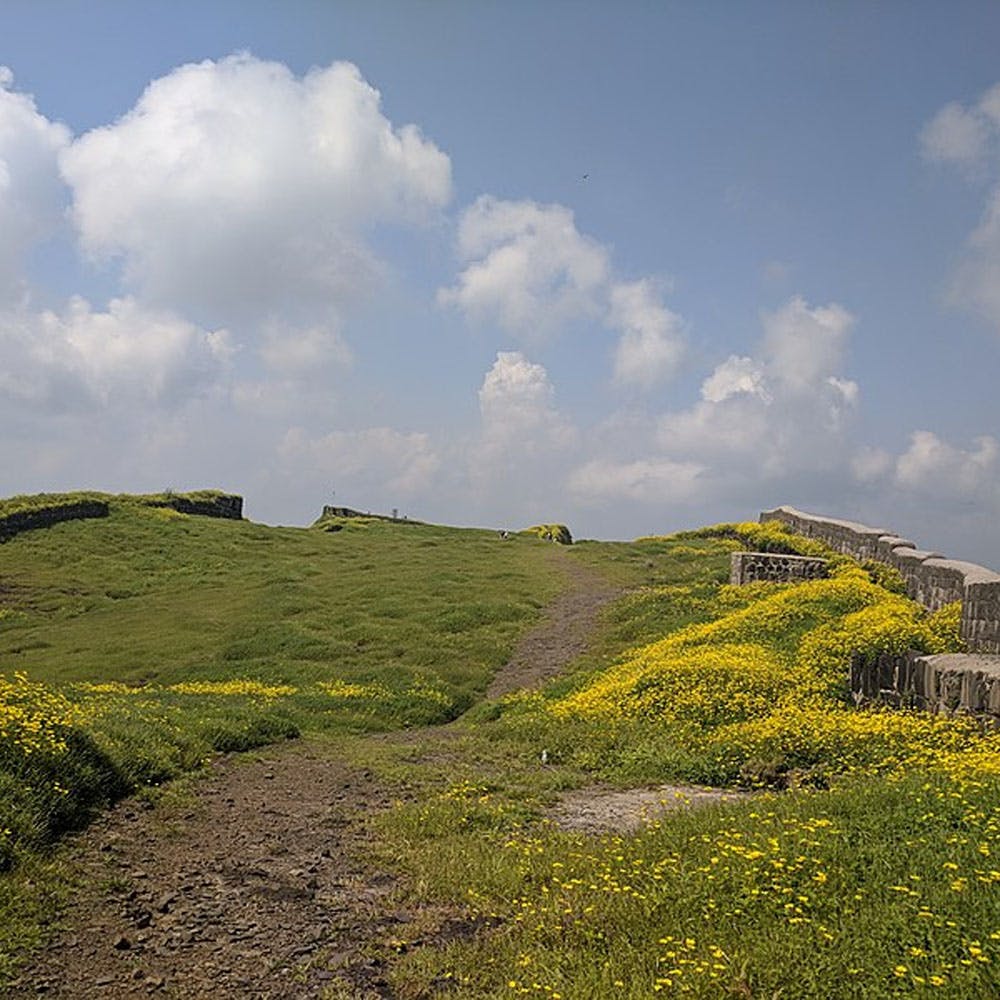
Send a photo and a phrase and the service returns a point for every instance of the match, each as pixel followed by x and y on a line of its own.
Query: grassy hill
pixel 864 864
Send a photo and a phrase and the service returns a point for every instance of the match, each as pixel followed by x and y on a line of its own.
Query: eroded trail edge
pixel 561 636
pixel 256 888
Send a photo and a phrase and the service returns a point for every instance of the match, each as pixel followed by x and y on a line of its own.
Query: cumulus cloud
pixel 957 134
pixel 235 188
pixel 736 376
pixel 658 480
pixel 652 342
pixel 377 460
pixel 779 416
pixel 82 357
pixel 516 401
pixel 32 194
pixel 802 345
pixel 969 136
pixel 533 273
pixel 528 268
pixel 309 353
pixel 931 464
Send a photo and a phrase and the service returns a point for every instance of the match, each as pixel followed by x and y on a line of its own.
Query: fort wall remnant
pixel 749 567
pixel 42 517
pixel 931 579
pixel 946 683
pixel 226 505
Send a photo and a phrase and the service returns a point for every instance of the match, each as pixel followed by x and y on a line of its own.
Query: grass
pixel 864 865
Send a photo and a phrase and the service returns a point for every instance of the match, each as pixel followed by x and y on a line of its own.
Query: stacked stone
pixel 949 683
pixel 43 517
pixel 931 579
pixel 749 567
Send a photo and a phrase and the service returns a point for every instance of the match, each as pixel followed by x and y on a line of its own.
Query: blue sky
pixel 635 267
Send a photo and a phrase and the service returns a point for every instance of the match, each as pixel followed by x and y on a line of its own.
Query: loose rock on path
pixel 259 890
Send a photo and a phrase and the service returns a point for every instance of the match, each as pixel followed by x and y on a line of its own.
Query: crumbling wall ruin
pixel 749 567
pixel 931 579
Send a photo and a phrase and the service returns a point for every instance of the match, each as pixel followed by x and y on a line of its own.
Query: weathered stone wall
pixel 43 517
pixel 226 505
pixel 329 511
pixel 749 567
pixel 930 578
pixel 952 683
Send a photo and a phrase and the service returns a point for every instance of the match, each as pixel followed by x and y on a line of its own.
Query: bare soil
pixel 258 888
pixel 560 637
pixel 257 884
pixel 607 810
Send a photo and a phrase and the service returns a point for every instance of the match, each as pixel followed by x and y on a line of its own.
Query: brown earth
pixel 257 888
pixel 258 884
pixel 560 637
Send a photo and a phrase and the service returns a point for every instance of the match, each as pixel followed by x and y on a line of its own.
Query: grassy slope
pixel 149 595
pixel 810 893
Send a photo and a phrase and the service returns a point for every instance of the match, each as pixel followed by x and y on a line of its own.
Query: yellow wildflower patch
pixel 254 689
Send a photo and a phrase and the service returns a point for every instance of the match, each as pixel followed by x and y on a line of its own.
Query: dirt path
pixel 257 884
pixel 257 889
pixel 561 636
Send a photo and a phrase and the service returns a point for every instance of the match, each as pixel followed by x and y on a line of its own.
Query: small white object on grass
pixel 545 756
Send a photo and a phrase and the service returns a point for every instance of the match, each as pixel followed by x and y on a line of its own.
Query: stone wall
pixel 930 578
pixel 43 517
pixel 226 505
pixel 951 683
pixel 749 567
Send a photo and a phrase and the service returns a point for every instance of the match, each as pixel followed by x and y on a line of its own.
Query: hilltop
pixel 416 701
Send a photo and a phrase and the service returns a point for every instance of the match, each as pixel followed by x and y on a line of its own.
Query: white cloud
pixel 235 188
pixel 779 412
pixel 31 192
pixel 652 341
pixel 782 416
pixel 376 461
pixel 956 135
pixel 524 444
pixel 969 136
pixel 803 345
pixel 734 376
pixel 516 401
pixel 657 480
pixel 126 354
pixel 532 272
pixel 527 267
pixel 976 284
pixel 932 465
pixel 304 353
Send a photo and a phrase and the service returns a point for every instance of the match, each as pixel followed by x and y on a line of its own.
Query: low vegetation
pixel 551 533
pixel 861 862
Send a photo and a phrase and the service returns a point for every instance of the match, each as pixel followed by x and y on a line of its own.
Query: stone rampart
pixel 42 517
pixel 749 567
pixel 950 683
pixel 930 578
pixel 225 505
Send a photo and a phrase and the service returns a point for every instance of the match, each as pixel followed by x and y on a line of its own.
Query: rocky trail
pixel 258 884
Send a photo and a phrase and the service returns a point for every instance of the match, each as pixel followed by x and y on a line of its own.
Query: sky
pixel 633 267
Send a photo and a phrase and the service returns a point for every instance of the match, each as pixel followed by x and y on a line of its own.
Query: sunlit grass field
pixel 862 863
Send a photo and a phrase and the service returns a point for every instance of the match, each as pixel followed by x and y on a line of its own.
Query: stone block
pixel 750 567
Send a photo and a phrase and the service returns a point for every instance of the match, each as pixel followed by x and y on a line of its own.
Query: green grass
pixel 147 640
pixel 874 889
pixel 150 639
pixel 148 595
